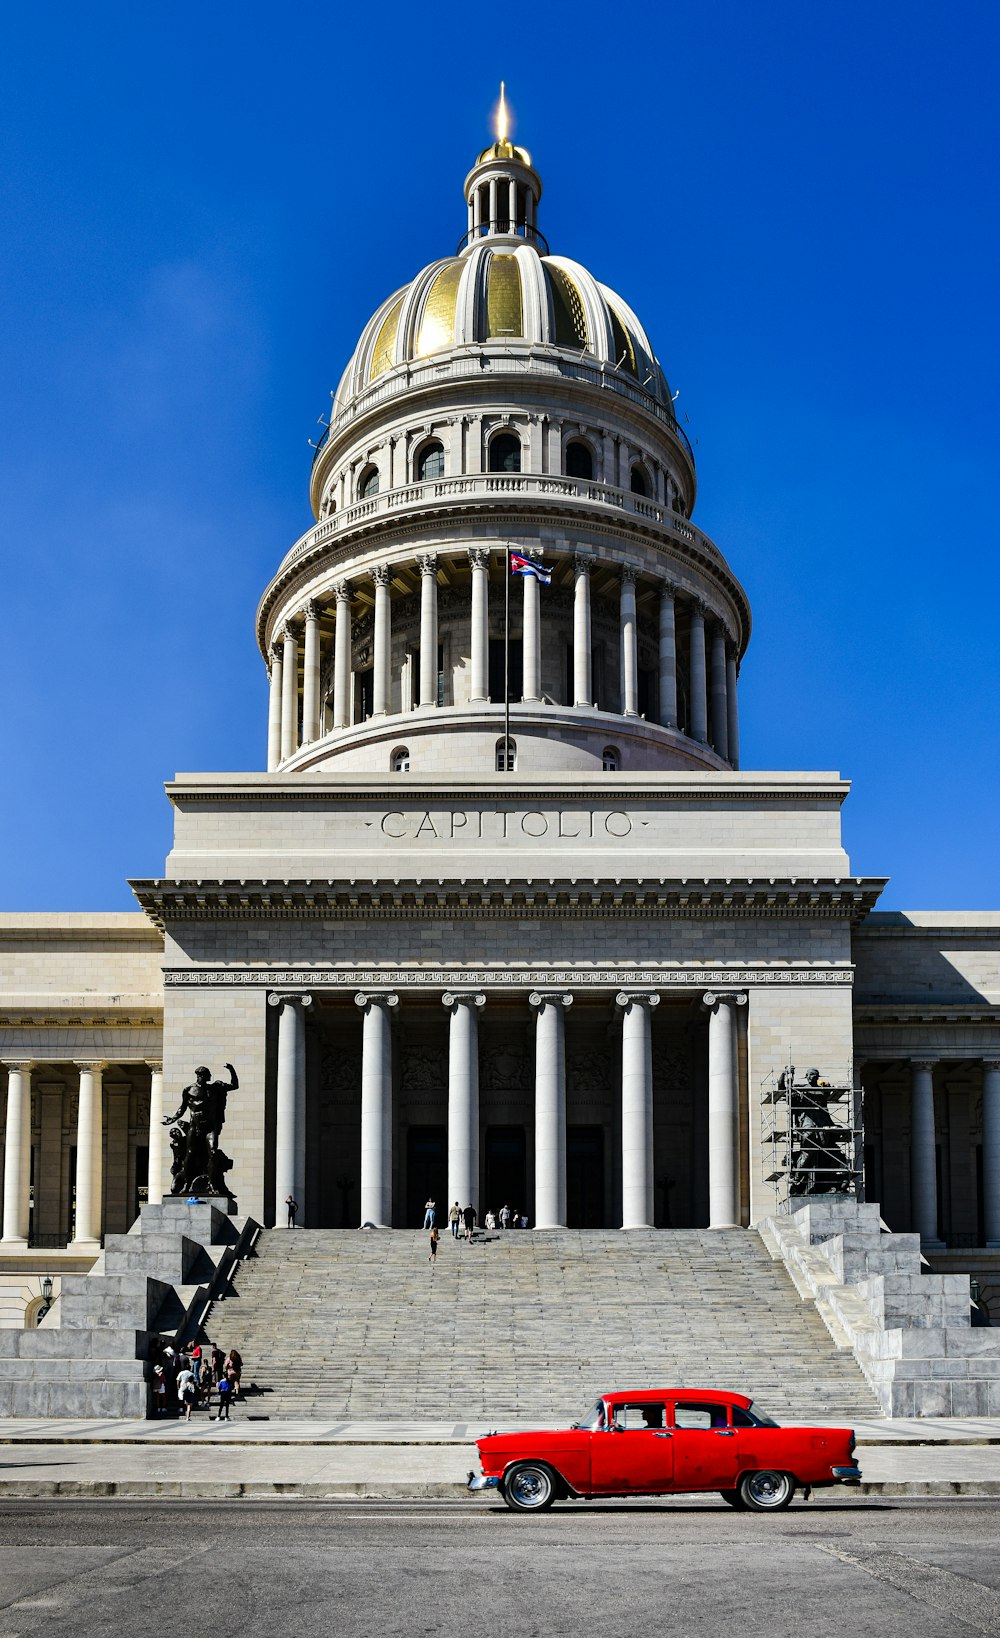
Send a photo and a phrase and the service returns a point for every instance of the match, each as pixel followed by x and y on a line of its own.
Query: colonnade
pixel 923 1152
pixel 713 716
pixel 90 1151
pixel 464 1007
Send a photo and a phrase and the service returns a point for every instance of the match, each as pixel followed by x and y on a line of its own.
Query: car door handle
pixel 662 1435
pixel 725 1433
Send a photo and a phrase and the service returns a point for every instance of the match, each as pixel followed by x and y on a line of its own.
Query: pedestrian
pixel 432 1254
pixel 490 1223
pixel 454 1218
pixel 469 1216
pixel 218 1361
pixel 205 1383
pixel 196 1360
pixel 225 1387
pixel 160 1389
pixel 186 1391
pixel 430 1213
pixel 504 1217
pixel 293 1206
pixel 234 1368
pixel 524 1222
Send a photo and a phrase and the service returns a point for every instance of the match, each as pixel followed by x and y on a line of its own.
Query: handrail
pixel 474 485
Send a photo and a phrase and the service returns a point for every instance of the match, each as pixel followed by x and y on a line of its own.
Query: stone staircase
pixel 525 1326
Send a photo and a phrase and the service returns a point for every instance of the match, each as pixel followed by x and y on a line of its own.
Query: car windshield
pixel 594 1418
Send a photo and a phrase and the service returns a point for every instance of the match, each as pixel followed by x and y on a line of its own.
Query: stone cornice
pixel 878 1014
pixel 697 788
pixel 462 980
pixel 186 901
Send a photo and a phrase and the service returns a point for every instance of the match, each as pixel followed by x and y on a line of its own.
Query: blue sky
pixel 203 206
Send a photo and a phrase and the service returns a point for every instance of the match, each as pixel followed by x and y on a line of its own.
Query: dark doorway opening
pixel 426 1173
pixel 585 1177
pixel 496 669
pixel 506 1170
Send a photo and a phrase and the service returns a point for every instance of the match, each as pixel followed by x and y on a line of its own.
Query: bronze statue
pixel 199 1165
pixel 817 1161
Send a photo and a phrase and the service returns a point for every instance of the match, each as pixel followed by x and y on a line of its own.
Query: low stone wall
pixel 90 1355
pixel 909 1330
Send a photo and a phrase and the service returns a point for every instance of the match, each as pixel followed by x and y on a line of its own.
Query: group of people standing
pixel 462 1221
pixel 186 1378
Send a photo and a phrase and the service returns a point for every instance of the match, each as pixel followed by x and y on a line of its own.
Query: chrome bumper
pixel 481 1481
pixel 847 1475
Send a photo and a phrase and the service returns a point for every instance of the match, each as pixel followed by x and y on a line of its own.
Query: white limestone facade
pixel 503 919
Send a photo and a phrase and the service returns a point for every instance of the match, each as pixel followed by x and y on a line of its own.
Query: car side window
pixel 638 1418
pixel 700 1417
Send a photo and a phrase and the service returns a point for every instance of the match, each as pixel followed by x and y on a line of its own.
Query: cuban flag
pixel 529 565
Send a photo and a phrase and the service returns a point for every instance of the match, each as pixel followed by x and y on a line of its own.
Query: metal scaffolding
pixel 812 1136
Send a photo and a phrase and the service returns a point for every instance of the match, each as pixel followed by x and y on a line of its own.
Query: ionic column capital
pixel 311 610
pixel 463 998
pixel 479 557
pixel 991 1064
pixel 669 588
pixel 376 998
pixel 539 998
pixel 582 563
pixel 342 591
pixel 713 998
pixel 20 1066
pixel 698 607
pixel 924 1063
pixel 629 574
pixel 154 1067
pixel 380 574
pixel 428 563
pixel 95 1067
pixel 637 998
pixel 281 998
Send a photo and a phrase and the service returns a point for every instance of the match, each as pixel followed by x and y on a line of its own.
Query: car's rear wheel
pixel 767 1491
pixel 731 1498
pixel 529 1488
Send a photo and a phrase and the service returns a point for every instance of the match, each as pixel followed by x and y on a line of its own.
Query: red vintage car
pixel 666 1440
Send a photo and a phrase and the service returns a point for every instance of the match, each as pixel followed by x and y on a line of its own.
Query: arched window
pixel 506 755
pixel 430 462
pixel 611 759
pixel 505 453
pixel 579 460
pixel 368 483
pixel 400 762
pixel 639 482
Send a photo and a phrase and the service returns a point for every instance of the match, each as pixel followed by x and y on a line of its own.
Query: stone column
pixel 720 714
pixel 48 1218
pixel 531 645
pixel 428 630
pixel 723 1112
pixel 668 657
pixel 383 642
pixel 17 1155
pixel 637 1107
pixel 991 1151
pixel 493 205
pixel 289 1123
pixel 698 691
pixel 480 645
pixel 290 695
pixel 89 1157
pixel 310 677
pixel 512 207
pixel 923 1153
pixel 342 657
pixel 583 684
pixel 630 646
pixel 550 1107
pixel 274 711
pixel 157 1133
pixel 463 1095
pixel 732 709
pixel 376 1108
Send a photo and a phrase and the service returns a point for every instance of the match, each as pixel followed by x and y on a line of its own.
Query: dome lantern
pixel 502 190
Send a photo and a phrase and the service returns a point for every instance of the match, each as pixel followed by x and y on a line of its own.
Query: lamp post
pixel 46 1299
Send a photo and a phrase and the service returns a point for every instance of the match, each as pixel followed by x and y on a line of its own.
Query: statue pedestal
pixel 221 1202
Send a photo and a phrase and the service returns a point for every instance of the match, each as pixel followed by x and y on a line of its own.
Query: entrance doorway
pixel 585 1177
pixel 506 1170
pixel 426 1173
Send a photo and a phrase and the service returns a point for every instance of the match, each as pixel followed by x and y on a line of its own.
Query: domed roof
pixel 503 287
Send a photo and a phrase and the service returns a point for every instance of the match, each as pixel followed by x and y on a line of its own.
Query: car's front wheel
pixel 529 1488
pixel 766 1492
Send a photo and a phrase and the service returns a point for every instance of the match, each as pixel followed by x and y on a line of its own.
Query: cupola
pixel 502 190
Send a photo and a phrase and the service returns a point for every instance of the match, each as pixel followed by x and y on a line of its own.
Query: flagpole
pixel 506 659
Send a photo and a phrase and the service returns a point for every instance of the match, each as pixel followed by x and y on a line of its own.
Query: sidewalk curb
pixel 234 1490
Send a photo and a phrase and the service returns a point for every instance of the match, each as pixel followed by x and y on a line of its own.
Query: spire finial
pixel 503 121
